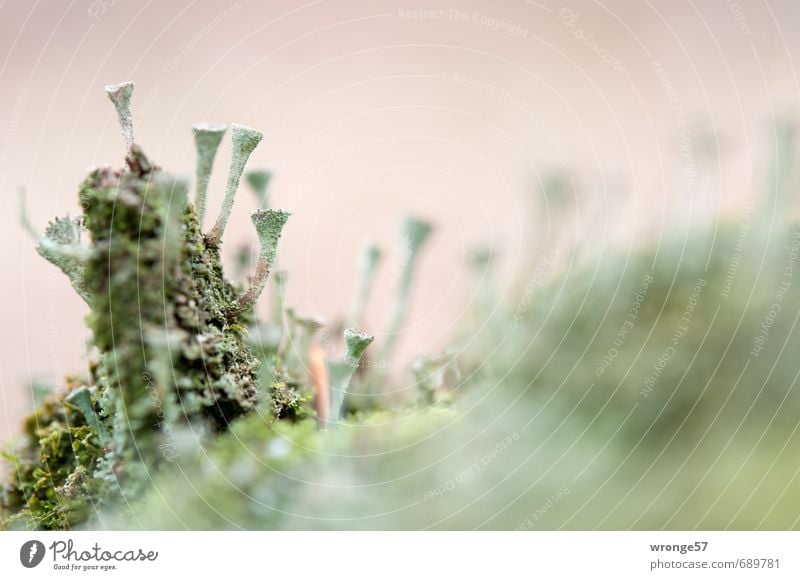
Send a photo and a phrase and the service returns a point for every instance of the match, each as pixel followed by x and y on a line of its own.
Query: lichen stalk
pixel 368 265
pixel 245 140
pixel 120 95
pixel 207 138
pixel 414 234
pixel 340 372
pixel 301 334
pixel 269 226
pixel 61 246
pixel 259 180
pixel 278 301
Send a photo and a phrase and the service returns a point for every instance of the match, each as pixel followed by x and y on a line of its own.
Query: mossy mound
pixel 169 351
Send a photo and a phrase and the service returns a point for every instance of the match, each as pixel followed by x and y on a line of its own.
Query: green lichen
pixel 60 245
pixel 207 139
pixel 169 330
pixel 341 371
pixel 259 180
pixel 245 140
pixel 368 265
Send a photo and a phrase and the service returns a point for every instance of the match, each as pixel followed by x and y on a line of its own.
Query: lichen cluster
pixel 168 333
pixel 177 347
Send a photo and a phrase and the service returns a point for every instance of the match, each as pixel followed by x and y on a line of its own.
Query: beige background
pixel 368 113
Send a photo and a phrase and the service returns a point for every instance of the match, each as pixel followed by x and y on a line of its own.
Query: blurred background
pixel 656 115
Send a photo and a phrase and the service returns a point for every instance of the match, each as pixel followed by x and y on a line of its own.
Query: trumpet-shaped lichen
pixel 207 139
pixel 341 371
pixel 259 180
pixel 245 140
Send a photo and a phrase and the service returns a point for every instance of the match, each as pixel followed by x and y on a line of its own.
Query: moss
pixel 53 483
pixel 287 403
pixel 247 477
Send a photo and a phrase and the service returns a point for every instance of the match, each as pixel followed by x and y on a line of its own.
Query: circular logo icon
pixel 31 553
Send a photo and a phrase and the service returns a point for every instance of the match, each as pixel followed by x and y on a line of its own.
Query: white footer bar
pixel 406 555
